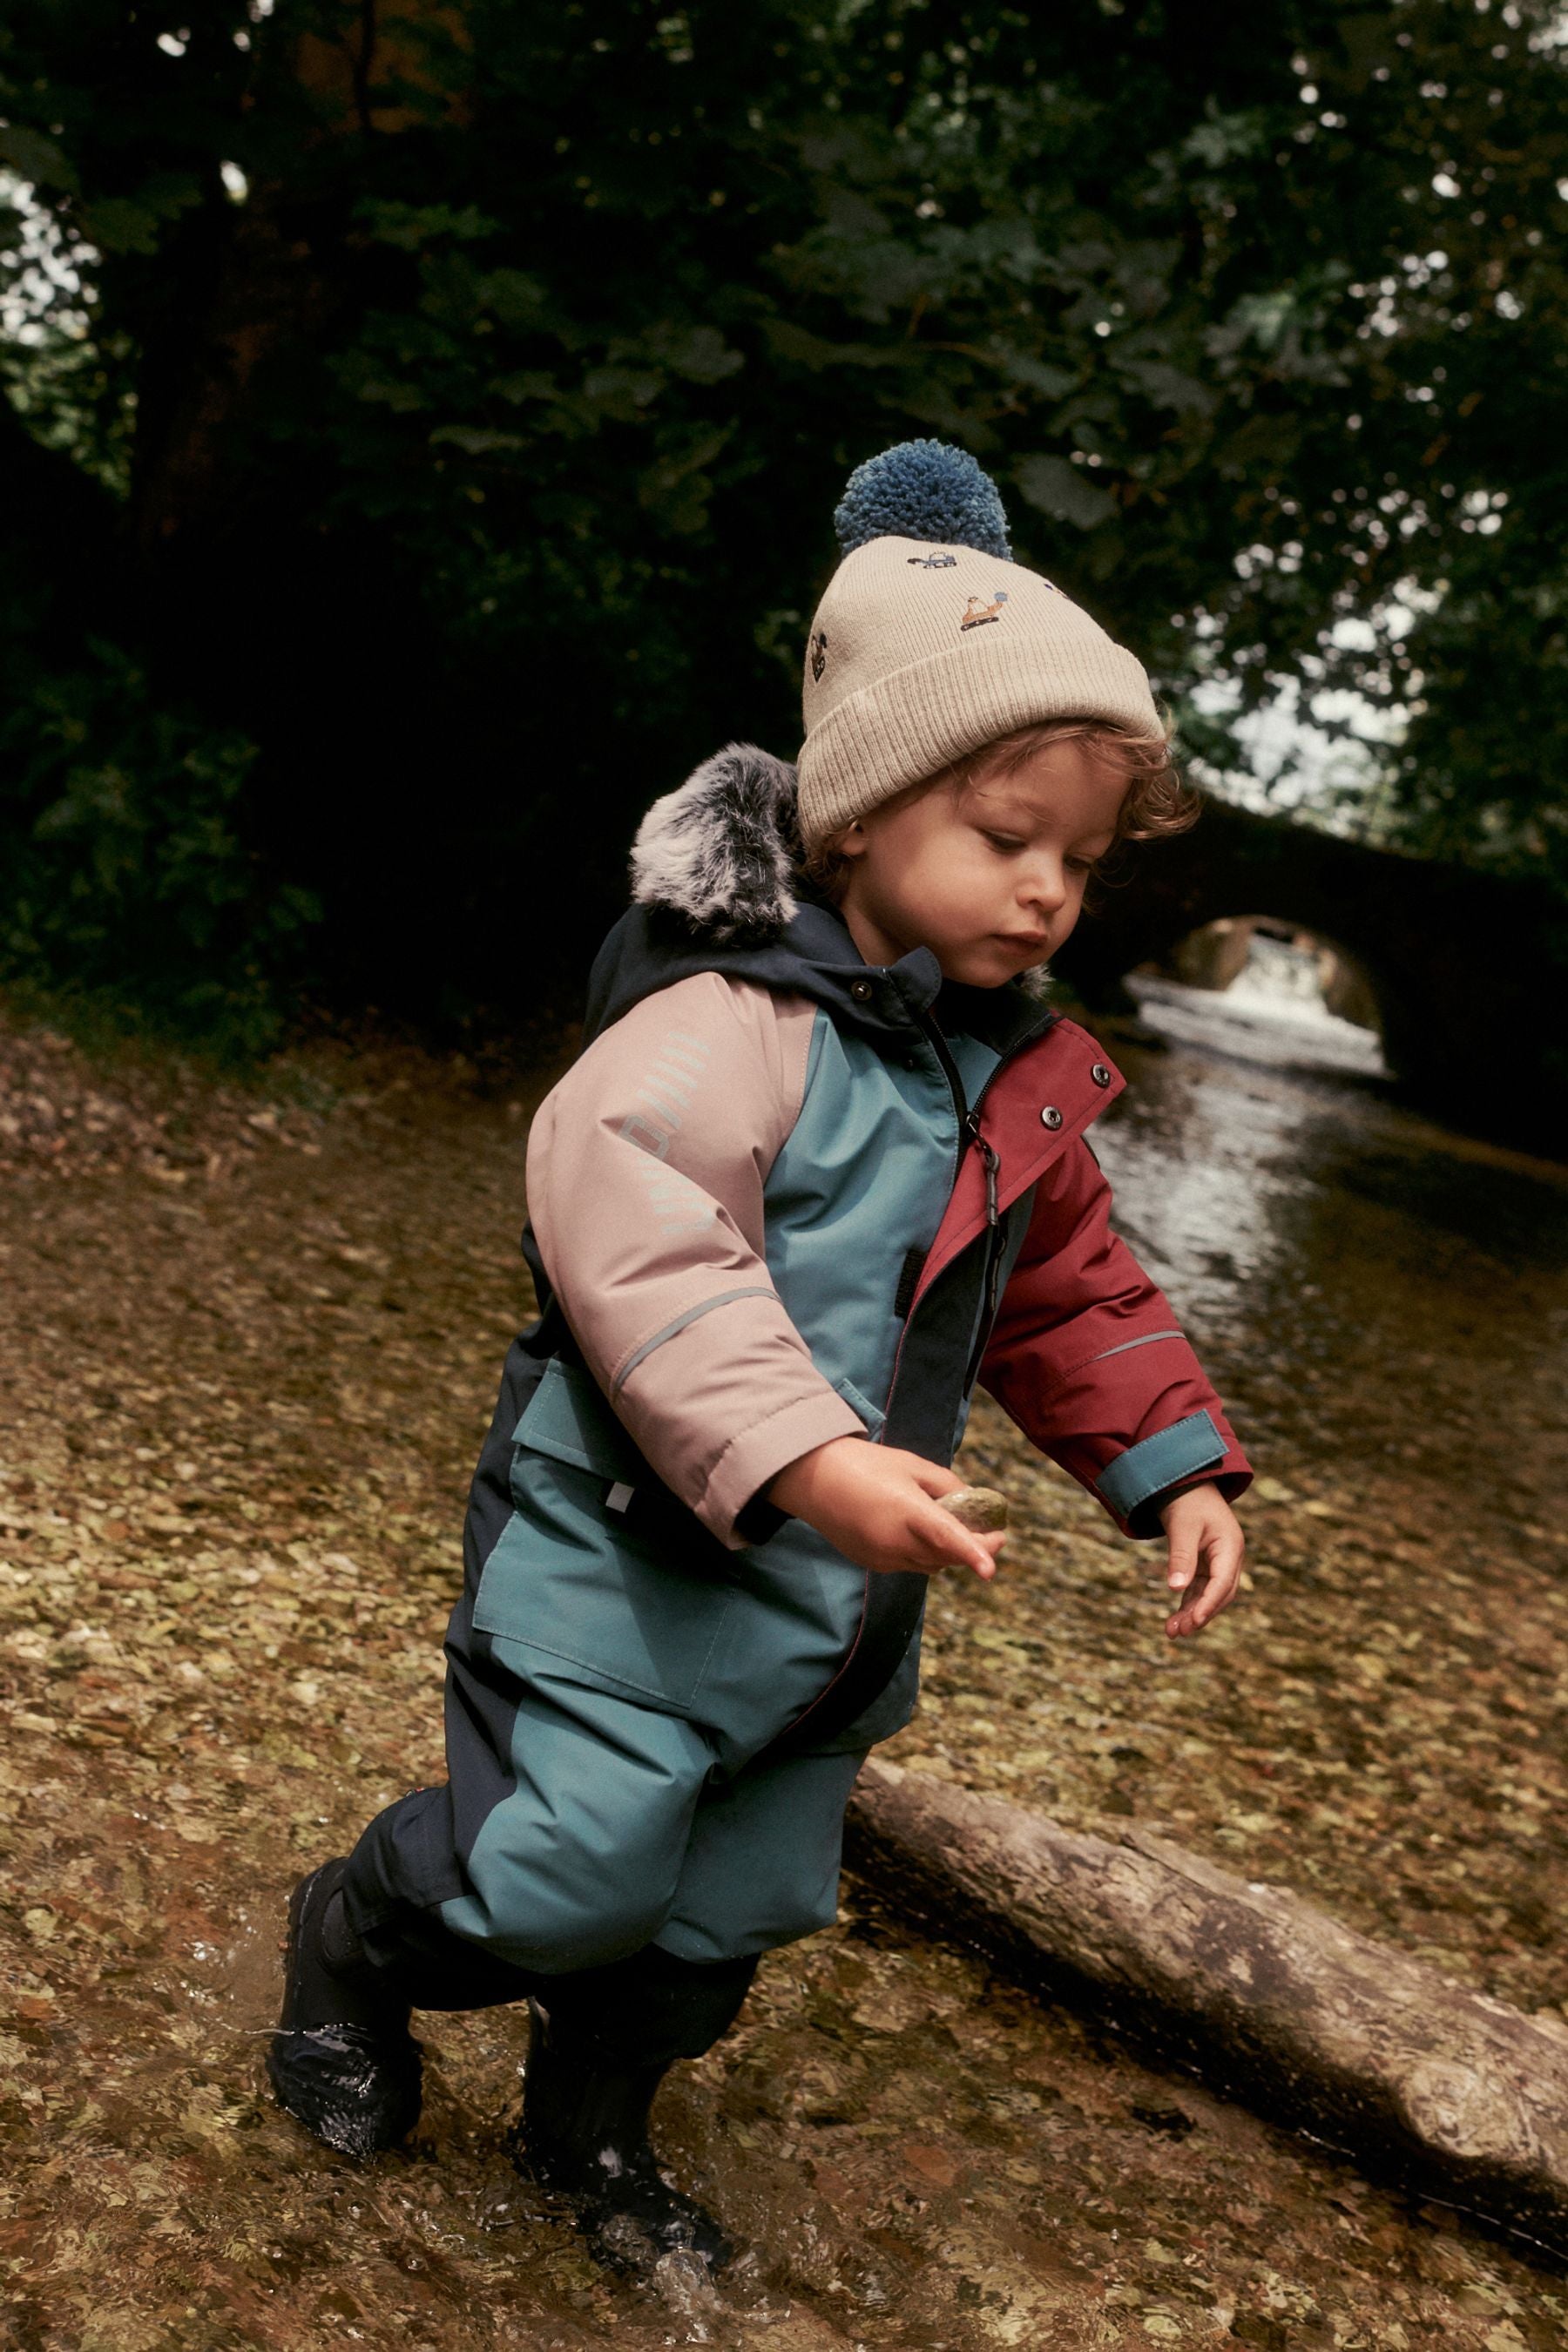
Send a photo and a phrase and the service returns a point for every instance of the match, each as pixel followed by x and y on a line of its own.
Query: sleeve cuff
pixel 759 1522
pixel 1128 1485
pixel 751 1461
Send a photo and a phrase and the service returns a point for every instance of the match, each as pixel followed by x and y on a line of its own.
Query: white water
pixel 1272 1012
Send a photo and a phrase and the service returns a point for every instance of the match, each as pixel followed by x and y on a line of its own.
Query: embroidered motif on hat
pixel 932 562
pixel 819 653
pixel 975 613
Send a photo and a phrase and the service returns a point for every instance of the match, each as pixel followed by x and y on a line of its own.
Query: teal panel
pixel 762 1863
pixel 623 1614
pixel 568 1418
pixel 863 1180
pixel 888 1711
pixel 619 1831
pixel 569 1580
pixel 580 1864
pixel 1187 1446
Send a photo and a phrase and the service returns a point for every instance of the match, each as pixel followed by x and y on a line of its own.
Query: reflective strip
pixel 1192 1443
pixel 757 1290
pixel 681 1047
pixel 1146 1341
pixel 661 1096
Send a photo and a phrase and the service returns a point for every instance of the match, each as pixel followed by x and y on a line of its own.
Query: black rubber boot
pixel 342 2062
pixel 584 2133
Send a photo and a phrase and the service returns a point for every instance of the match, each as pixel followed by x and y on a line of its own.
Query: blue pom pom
pixel 923 490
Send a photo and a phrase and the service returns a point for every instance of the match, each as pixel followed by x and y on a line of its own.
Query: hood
pixel 717 887
pixel 722 850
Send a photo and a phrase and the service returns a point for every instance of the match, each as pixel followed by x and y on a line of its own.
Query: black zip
pixel 955 1077
pixel 968 1133
pixel 994 1246
pixel 993 1165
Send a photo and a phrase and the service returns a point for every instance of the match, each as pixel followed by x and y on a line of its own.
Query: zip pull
pixel 993 1165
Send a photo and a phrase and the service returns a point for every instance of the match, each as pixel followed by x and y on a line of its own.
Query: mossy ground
pixel 250 1345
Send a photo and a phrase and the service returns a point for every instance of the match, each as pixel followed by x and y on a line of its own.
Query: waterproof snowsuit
pixel 781 1197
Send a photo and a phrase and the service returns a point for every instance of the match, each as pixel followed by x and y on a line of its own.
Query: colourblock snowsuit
pixel 781 1197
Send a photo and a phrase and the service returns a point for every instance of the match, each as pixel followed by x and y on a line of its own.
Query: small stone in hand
pixel 982 1510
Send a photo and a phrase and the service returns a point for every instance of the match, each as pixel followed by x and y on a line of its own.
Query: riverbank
pixel 251 1344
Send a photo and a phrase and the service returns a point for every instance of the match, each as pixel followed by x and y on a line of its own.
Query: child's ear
pixel 852 841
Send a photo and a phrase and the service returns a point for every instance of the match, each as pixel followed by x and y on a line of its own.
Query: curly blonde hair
pixel 1159 802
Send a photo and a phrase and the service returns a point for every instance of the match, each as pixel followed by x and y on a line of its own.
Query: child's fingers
pixel 1216 1585
pixel 1181 1563
pixel 1186 1619
pixel 943 1539
pixel 931 1478
pixel 1220 1590
pixel 993 1544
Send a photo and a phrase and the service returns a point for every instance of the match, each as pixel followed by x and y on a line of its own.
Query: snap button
pixel 861 991
pixel 1100 1074
pixel 1051 1116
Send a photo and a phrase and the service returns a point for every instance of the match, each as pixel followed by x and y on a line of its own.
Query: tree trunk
pixel 1266 1997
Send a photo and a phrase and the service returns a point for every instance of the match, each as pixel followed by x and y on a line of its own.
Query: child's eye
pixel 1006 842
pixel 1081 865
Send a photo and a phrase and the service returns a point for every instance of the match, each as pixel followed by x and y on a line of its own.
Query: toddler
pixel 821 1165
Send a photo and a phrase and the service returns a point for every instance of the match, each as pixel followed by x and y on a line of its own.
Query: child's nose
pixel 1045 886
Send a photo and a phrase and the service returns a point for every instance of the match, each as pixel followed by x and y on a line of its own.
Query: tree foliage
pixel 456 395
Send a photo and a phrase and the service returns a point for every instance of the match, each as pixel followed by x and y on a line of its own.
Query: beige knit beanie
pixel 930 641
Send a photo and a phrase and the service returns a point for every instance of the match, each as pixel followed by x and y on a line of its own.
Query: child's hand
pixel 1206 1551
pixel 875 1505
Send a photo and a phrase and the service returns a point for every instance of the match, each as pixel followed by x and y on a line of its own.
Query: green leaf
pixel 698 353
pixel 117 225
pixel 1038 375
pixel 35 158
pixel 387 392
pixel 1225 138
pixel 414 227
pixel 526 384
pixel 131 223
pixel 475 440
pixel 1061 490
pixel 1262 445
pixel 788 341
pixel 515 297
pixel 1166 387
pixel 622 392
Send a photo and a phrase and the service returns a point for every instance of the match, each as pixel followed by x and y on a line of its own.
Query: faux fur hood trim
pixel 722 850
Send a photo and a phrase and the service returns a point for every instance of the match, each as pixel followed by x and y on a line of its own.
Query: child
pixel 820 1167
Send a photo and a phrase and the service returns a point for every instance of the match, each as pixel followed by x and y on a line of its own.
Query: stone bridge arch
pixel 1468 970
pixel 1217 954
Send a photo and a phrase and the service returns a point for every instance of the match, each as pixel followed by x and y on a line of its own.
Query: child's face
pixel 989 876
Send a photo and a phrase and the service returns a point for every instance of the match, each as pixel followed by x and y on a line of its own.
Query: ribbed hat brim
pixel 911 722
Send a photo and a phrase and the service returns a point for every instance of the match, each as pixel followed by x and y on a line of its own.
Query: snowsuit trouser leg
pixel 608 1829
pixel 762 1862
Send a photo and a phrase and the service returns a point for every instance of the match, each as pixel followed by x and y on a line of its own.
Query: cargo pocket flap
pixel 575 1575
pixel 874 1420
pixel 568 1419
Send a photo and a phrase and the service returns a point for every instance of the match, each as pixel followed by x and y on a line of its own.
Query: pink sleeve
pixel 645 1168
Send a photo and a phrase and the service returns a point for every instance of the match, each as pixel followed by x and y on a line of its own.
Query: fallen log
pixel 1265 1998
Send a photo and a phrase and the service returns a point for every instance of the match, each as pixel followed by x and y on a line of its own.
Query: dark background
pixel 423 423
